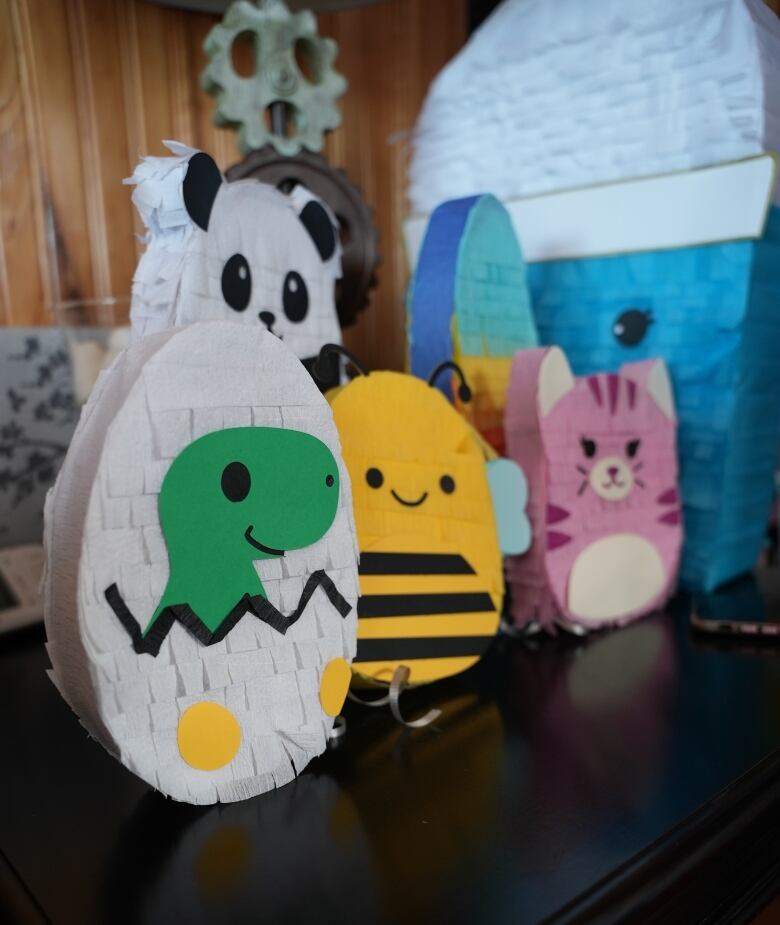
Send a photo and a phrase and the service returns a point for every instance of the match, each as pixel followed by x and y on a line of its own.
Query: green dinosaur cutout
pixel 233 497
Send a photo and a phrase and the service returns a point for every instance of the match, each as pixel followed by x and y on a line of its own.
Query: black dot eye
pixel 447 484
pixel 295 297
pixel 236 481
pixel 588 447
pixel 237 282
pixel 374 478
pixel 329 480
pixel 631 448
pixel 631 326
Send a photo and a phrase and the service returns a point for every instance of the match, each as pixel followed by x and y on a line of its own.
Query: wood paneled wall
pixel 88 86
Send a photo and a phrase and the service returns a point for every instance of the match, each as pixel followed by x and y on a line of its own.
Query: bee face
pixel 430 570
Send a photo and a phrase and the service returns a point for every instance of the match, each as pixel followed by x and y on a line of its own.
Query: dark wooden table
pixel 635 776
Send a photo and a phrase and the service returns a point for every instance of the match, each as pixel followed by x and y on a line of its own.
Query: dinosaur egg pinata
pixel 202 580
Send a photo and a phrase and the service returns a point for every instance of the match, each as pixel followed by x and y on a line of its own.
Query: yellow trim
pixel 448 627
pixel 376 585
pixel 421 669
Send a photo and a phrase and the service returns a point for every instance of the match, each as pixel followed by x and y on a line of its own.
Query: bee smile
pixel 401 500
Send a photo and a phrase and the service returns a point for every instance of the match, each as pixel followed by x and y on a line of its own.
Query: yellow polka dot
pixel 208 736
pixel 334 686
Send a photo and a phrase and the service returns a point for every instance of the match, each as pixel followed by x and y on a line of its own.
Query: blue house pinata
pixel 628 143
pixel 712 311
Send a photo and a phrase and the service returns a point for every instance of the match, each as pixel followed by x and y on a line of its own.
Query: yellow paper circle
pixel 208 735
pixel 334 686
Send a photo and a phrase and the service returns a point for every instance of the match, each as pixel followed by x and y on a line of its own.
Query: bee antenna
pixel 464 392
pixel 320 367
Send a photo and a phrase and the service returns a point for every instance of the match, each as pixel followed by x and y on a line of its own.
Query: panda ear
pixel 318 223
pixel 201 185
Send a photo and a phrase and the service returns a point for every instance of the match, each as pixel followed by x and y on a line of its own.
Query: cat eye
pixel 295 297
pixel 588 447
pixel 237 282
pixel 631 448
pixel 631 326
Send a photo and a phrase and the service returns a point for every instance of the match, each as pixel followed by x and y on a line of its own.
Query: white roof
pixel 549 96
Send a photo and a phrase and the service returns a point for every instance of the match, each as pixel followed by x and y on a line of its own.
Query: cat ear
pixel 659 385
pixel 555 380
pixel 653 376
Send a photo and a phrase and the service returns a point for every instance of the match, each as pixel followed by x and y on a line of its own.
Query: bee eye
pixel 374 477
pixel 631 326
pixel 236 481
pixel 631 448
pixel 588 447
pixel 447 484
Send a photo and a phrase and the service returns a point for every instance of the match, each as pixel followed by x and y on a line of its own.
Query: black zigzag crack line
pixel 256 605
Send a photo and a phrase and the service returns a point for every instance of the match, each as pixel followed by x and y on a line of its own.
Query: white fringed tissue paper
pixel 202 565
pixel 242 251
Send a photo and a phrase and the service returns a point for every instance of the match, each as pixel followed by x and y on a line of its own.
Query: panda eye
pixel 237 282
pixel 631 326
pixel 295 297
pixel 631 448
pixel 588 447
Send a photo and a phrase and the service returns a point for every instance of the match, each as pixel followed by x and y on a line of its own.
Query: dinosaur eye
pixel 374 478
pixel 295 297
pixel 588 447
pixel 447 484
pixel 631 448
pixel 236 481
pixel 237 282
pixel 631 326
pixel 329 480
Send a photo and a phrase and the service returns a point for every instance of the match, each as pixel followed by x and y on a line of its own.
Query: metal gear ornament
pixel 289 100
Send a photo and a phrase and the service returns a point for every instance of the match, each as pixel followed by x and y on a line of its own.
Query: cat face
pixel 605 429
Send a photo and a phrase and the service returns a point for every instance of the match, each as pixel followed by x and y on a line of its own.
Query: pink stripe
pixel 595 388
pixel 631 393
pixel 667 497
pixel 556 514
pixel 670 517
pixel 613 383
pixel 554 540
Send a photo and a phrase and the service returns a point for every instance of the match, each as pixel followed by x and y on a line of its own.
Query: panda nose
pixel 268 319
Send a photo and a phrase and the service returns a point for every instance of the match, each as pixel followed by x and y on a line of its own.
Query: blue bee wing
pixel 509 490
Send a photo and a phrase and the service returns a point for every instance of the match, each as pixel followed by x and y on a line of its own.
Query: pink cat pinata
pixel 600 457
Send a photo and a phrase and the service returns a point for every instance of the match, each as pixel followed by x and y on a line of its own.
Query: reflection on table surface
pixel 554 761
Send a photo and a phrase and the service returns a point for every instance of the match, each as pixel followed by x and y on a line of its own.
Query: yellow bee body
pixel 431 581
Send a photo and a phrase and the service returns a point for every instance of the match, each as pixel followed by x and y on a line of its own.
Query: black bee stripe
pixel 400 650
pixel 419 605
pixel 413 563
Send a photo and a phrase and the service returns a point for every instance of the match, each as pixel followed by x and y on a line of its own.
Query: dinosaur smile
pixel 401 500
pixel 258 545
